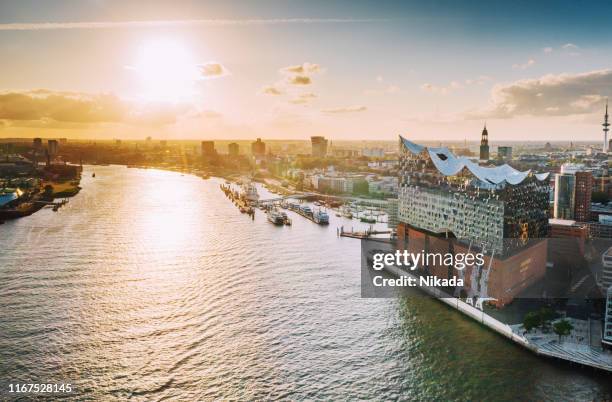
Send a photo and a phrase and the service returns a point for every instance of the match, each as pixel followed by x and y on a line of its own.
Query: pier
pixel 242 204
pixel 361 234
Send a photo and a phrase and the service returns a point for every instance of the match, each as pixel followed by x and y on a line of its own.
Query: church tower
pixel 484 145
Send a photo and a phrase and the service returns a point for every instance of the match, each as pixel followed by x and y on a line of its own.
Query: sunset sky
pixel 292 69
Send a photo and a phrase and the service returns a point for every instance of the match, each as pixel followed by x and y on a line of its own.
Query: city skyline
pixel 291 70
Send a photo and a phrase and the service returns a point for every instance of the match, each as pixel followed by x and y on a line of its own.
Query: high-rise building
pixel 451 204
pixel 504 153
pixel 53 146
pixel 319 146
pixel 583 192
pixel 208 148
pixel 484 145
pixel 258 148
pixel 37 144
pixel 233 149
pixel 565 196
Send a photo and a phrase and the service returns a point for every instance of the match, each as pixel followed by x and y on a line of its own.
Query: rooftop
pixel 449 164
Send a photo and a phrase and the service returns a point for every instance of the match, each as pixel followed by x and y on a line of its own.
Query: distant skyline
pixel 287 69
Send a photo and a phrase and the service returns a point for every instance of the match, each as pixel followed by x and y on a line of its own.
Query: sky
pixel 288 69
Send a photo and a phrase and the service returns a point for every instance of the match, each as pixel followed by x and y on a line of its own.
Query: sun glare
pixel 167 72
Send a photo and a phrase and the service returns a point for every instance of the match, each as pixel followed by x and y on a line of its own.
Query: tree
pixel 532 320
pixel 562 328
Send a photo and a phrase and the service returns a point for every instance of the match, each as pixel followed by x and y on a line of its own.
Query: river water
pixel 151 285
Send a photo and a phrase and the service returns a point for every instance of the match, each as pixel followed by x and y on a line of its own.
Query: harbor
pixel 264 289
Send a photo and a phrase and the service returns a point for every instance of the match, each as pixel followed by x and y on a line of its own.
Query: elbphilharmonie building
pixel 497 210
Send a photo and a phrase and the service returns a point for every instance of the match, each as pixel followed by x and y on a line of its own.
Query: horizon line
pixel 42 26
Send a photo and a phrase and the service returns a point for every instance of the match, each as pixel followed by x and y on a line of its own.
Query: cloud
pixel 547 50
pixel 80 108
pixel 570 46
pixel 303 99
pixel 443 90
pixel 349 109
pixel 550 95
pixel 299 80
pixel 61 106
pixel 271 90
pixel 213 70
pixel 301 69
pixel 40 26
pixel 300 74
pixel 524 66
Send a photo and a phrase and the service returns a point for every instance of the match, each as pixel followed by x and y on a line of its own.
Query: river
pixel 151 285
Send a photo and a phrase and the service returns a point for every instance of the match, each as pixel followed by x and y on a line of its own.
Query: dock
pixel 360 234
pixel 242 204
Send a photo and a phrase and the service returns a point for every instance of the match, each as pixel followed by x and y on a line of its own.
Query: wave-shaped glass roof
pixel 449 164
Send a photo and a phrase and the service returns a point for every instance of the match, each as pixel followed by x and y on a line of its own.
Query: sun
pixel 166 71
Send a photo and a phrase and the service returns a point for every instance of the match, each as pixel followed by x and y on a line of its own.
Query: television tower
pixel 606 126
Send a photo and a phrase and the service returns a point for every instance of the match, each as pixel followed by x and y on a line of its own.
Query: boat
pixel 305 210
pixel 346 212
pixel 320 217
pixel 286 219
pixel 367 219
pixel 249 192
pixel 275 217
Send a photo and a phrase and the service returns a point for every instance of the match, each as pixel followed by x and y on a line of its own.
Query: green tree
pixel 532 320
pixel 562 328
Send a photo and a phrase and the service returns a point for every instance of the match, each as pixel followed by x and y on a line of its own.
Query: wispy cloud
pixel 348 109
pixel 38 26
pixel 271 90
pixel 524 66
pixel 303 69
pixel 303 99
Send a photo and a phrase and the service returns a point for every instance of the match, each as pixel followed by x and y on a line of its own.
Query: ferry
pixel 249 192
pixel 367 219
pixel 321 217
pixel 275 217
pixel 286 219
pixel 305 210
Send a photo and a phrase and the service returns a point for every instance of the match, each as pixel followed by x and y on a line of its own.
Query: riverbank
pixel 546 346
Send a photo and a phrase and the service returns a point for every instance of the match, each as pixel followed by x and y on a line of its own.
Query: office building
pixel 233 149
pixel 52 148
pixel 565 192
pixel 208 148
pixel 582 196
pixel 319 146
pixel 258 148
